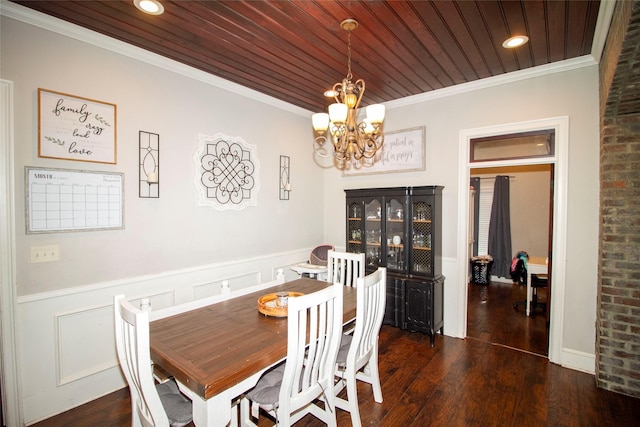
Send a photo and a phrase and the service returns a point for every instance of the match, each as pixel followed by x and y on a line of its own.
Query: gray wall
pixel 171 232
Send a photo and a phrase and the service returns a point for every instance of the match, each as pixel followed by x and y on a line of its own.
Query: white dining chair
pixel 358 355
pixel 344 267
pixel 288 392
pixel 151 404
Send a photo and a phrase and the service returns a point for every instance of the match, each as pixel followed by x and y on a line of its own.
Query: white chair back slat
pixel 345 267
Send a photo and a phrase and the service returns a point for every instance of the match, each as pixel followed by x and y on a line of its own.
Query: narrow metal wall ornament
pixel 285 177
pixel 149 164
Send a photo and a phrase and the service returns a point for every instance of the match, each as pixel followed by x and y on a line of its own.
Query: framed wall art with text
pixel 75 128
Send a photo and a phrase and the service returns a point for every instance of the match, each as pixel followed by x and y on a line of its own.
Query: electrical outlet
pixel 45 253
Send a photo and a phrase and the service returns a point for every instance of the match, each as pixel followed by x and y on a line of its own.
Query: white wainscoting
pixel 66 338
pixel 451 304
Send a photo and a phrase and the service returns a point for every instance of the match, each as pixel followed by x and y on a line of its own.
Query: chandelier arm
pixel 338 92
pixel 360 88
pixel 319 146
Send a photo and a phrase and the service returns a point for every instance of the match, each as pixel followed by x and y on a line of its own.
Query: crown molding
pixel 59 26
pixel 514 76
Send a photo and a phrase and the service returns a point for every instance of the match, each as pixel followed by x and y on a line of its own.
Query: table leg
pixel 217 411
pixel 214 412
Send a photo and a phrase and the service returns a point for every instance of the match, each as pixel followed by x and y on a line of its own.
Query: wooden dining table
pixel 536 265
pixel 219 351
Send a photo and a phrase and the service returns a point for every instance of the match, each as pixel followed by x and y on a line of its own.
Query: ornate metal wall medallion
pixel 227 170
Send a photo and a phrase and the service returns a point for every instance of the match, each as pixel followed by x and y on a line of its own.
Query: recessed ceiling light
pixel 152 7
pixel 515 41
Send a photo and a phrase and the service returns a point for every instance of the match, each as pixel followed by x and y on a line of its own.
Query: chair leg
pixel 371 369
pixel 351 403
pixel 352 396
pixel 534 302
pixel 370 375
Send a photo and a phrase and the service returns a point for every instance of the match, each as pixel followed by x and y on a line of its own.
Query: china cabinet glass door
pixel 355 225
pixel 373 232
pixel 395 234
pixel 421 235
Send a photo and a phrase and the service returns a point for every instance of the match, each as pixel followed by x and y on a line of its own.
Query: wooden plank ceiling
pixel 295 50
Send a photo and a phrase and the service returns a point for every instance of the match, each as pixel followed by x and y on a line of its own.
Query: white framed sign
pixel 402 151
pixel 75 128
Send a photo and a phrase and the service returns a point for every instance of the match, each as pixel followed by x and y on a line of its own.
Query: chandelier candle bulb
pixel 320 122
pixel 338 112
pixel 375 113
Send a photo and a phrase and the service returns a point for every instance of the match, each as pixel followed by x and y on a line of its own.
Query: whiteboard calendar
pixel 71 200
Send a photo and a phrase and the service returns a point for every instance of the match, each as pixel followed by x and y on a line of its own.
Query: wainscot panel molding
pixel 66 338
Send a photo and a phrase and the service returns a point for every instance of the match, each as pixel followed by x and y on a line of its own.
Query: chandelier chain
pixel 349 75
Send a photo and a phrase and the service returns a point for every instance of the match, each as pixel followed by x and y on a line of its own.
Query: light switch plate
pixel 45 253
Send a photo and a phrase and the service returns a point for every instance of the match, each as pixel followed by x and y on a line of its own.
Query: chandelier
pixel 354 142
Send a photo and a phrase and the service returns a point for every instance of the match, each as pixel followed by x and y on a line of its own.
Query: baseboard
pixel 579 361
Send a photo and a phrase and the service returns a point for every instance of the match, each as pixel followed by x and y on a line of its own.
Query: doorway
pixel 559 160
pixel 496 311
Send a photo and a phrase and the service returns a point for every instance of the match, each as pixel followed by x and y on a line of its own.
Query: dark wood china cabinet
pixel 401 229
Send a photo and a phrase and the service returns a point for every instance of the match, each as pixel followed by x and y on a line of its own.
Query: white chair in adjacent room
pixel 358 354
pixel 151 404
pixel 344 267
pixel 288 391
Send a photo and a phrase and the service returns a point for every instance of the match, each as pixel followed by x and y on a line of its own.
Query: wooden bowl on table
pixel 267 304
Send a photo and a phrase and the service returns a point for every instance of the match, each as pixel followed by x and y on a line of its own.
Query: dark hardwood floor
pixel 491 317
pixel 469 382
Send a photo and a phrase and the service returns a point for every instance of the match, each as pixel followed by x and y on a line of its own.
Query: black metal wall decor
pixel 285 177
pixel 227 171
pixel 149 174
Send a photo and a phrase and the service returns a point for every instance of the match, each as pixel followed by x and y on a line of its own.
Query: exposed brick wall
pixel 618 329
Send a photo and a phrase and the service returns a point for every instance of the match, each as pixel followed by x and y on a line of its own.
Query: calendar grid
pixel 61 200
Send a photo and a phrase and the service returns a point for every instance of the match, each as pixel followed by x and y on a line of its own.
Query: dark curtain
pixel 499 245
pixel 475 183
